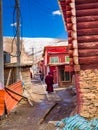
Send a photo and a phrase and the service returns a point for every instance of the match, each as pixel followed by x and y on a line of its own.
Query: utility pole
pixel 33 60
pixel 1 51
pixel 18 38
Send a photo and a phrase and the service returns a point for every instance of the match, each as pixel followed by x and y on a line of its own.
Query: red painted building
pixel 56 60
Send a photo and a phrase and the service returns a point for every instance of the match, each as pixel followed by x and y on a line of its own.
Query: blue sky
pixel 39 18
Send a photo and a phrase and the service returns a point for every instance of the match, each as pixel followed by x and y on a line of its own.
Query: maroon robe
pixel 49 82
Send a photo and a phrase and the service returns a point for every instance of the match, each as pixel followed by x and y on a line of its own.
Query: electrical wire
pixel 16 7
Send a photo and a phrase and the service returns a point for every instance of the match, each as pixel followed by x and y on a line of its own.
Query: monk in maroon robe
pixel 49 82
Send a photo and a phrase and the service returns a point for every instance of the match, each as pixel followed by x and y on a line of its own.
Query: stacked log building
pixel 81 22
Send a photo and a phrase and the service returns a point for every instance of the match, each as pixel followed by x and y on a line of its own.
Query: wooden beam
pixel 68 8
pixel 86 6
pixel 75 52
pixel 88 52
pixel 70 46
pixel 71 61
pixel 9 76
pixel 86 12
pixel 90 66
pixel 70 39
pixel 87 32
pixel 70 53
pixel 85 18
pixel 68 2
pixel 71 26
pixel 83 1
pixel 88 60
pixel 88 45
pixel 76 60
pixel 86 25
pixel 91 38
pixel 75 45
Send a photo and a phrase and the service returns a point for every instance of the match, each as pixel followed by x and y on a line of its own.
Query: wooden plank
pixel 86 25
pixel 69 20
pixel 68 8
pixel 9 76
pixel 71 61
pixel 85 1
pixel 88 60
pixel 73 52
pixel 69 33
pixel 86 12
pixel 70 39
pixel 85 18
pixel 88 45
pixel 88 52
pixel 90 66
pixel 87 32
pixel 71 26
pixel 86 6
pixel 70 53
pixel 68 14
pixel 68 2
pixel 75 44
pixel 91 38
pixel 76 60
pixel 70 46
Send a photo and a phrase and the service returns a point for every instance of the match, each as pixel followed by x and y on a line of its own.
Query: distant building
pixel 6 57
pixel 10 48
pixel 56 61
pixel 10 60
pixel 31 48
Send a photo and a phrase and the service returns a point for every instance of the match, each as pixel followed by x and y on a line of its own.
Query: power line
pixel 16 8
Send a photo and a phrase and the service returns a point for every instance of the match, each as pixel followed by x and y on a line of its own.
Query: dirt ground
pixel 36 117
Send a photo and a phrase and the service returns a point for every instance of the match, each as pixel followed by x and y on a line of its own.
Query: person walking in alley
pixel 49 82
pixel 41 75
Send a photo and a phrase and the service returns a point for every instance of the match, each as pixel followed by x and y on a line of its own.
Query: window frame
pixel 54 59
pixel 67 58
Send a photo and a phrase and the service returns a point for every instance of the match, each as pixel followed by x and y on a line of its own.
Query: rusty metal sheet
pixel 11 99
pixel 2 108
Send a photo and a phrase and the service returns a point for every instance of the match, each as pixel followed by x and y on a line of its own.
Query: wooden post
pixel 9 76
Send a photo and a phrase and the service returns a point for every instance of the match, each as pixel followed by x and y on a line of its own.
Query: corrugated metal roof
pixel 11 99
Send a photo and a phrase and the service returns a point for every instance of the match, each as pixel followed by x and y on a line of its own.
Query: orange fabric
pixel 12 99
pixel 2 108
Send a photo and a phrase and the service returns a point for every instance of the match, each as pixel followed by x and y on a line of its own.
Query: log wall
pixel 81 21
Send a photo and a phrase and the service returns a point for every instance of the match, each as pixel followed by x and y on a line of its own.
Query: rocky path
pixel 36 117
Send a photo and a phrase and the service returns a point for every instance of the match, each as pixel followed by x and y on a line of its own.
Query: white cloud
pixel 14 24
pixel 57 12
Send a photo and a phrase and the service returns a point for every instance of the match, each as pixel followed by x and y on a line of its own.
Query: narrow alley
pixel 46 108
pixel 49 65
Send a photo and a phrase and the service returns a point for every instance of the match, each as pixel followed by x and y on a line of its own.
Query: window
pixel 65 76
pixel 66 59
pixel 54 60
